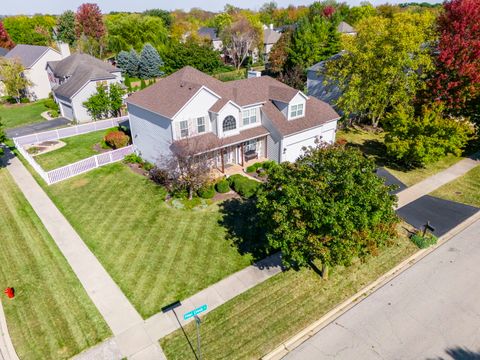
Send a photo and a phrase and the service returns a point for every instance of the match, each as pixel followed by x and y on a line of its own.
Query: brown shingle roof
pixel 209 141
pixel 316 113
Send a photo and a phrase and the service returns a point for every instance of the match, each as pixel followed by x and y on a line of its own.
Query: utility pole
pixel 199 351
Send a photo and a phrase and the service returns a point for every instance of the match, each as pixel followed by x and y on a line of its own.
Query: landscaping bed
pixel 156 253
pixel 51 316
pixel 370 142
pixel 255 322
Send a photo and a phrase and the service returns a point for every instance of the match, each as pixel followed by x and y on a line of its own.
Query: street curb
pixel 287 346
pixel 7 351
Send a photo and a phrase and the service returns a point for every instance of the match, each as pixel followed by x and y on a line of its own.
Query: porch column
pixel 241 152
pixel 266 152
pixel 221 157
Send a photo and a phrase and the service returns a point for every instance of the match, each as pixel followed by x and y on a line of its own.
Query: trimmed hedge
pixel 424 242
pixel 222 186
pixel 207 192
pixel 244 186
pixel 260 165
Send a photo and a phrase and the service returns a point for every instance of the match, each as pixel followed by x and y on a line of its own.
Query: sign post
pixel 194 313
pixel 197 322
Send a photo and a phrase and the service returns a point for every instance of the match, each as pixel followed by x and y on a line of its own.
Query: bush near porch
pixel 156 253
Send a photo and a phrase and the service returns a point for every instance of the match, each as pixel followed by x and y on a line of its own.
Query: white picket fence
pixel 79 167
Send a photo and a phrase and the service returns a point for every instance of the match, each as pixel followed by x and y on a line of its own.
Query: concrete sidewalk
pixel 7 351
pixel 432 183
pixel 122 318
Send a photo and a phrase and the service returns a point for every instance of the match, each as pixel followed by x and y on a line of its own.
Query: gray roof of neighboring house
pixel 345 28
pixel 208 32
pixel 271 36
pixel 28 54
pixel 3 51
pixel 80 69
pixel 320 65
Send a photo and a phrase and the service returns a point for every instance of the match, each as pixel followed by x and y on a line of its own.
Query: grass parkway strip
pixel 51 316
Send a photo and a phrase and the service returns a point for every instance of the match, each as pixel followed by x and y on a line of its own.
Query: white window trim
pixel 290 111
pixel 250 113
pixel 181 129
pixel 204 124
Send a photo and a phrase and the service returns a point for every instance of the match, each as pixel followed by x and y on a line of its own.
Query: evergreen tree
pixel 123 60
pixel 127 82
pixel 150 63
pixel 133 64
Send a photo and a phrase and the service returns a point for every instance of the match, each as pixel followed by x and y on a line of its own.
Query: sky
pixel 27 7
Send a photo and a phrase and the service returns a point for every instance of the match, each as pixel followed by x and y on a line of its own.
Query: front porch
pixel 233 159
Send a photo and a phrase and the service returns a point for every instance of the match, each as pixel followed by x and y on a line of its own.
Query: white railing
pixel 79 167
pixel 69 131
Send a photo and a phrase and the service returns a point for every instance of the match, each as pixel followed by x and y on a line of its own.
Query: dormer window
pixel 249 116
pixel 229 123
pixel 296 111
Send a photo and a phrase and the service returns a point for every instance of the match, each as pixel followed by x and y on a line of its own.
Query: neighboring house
pixel 316 83
pixel 229 122
pixel 34 59
pixel 270 38
pixel 75 78
pixel 344 28
pixel 210 34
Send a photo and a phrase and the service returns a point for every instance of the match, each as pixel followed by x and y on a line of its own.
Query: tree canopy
pixel 329 205
pixel 5 40
pixel 149 63
pixel 66 27
pixel 33 30
pixel 11 73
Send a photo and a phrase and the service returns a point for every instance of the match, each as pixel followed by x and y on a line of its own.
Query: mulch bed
pixel 98 148
pixel 226 196
pixel 136 168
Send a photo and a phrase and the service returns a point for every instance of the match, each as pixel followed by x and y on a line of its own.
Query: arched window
pixel 229 123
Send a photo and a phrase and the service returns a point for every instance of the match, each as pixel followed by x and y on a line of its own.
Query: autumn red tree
pixel 5 41
pixel 457 80
pixel 89 21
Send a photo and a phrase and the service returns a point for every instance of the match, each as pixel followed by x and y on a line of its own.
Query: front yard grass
pixel 77 148
pixel 156 253
pixel 51 316
pixel 255 322
pixel 371 143
pixel 465 189
pixel 16 115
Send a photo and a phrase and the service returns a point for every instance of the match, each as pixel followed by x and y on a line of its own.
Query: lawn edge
pixel 6 343
pixel 295 341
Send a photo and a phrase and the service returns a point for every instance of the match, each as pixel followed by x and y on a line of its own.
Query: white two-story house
pixel 230 122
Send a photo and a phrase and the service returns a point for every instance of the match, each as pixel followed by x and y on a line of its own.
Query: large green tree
pixel 384 65
pixel 66 27
pixel 126 31
pixel 329 205
pixel 115 98
pixel 32 30
pixel 98 104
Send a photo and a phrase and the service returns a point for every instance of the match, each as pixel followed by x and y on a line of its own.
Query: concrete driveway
pixel 430 311
pixel 38 127
pixel 442 214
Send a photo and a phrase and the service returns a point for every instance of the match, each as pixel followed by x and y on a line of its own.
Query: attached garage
pixel 66 110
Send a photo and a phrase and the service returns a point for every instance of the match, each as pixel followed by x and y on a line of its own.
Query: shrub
pixel 51 104
pixel 159 176
pixel 24 100
pixel 244 186
pixel 148 166
pixel 222 186
pixel 252 168
pixel 207 192
pixel 423 242
pixel 53 113
pixel 268 164
pixel 133 159
pixel 116 139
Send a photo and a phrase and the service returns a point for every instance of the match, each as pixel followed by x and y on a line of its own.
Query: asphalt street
pixel 37 127
pixel 430 311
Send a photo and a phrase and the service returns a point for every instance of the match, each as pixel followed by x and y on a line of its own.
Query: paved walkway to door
pixel 432 183
pixel 125 322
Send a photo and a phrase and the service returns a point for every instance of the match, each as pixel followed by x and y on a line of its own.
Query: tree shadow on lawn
pixel 240 219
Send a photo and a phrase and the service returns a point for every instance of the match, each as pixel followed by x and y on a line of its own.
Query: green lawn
pixel 372 144
pixel 255 322
pixel 16 115
pixel 465 189
pixel 77 148
pixel 51 316
pixel 156 253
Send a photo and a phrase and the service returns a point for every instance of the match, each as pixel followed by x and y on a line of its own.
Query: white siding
pixel 228 110
pixel 273 149
pixel 79 111
pixel 297 99
pixel 292 145
pixel 151 133
pixel 37 74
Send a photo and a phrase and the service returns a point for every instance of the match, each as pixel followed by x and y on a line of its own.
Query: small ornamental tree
pixel 149 63
pixel 66 27
pixel 415 141
pixel 115 97
pixel 329 205
pixel 116 139
pixel 5 40
pixel 11 72
pixel 457 79
pixel 98 105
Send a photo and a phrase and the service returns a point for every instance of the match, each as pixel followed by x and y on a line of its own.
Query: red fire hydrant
pixel 10 291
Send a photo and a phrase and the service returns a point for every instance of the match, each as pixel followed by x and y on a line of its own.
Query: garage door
pixel 67 110
pixel 294 150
